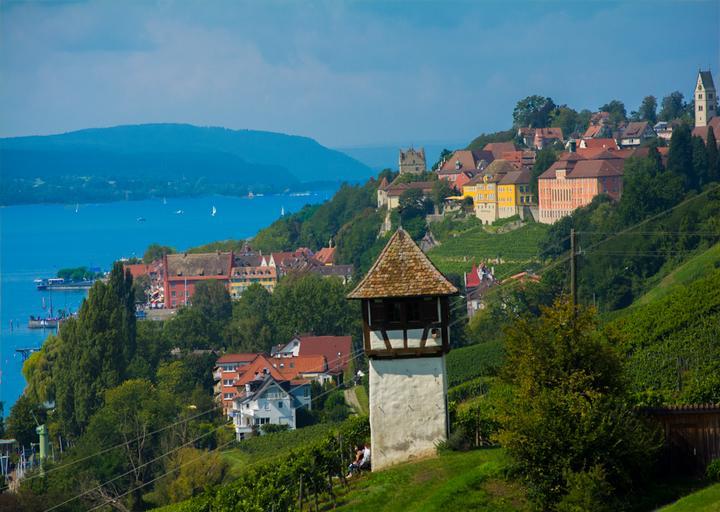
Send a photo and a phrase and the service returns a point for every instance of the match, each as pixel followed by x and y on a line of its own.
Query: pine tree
pixel 713 159
pixel 680 155
pixel 700 162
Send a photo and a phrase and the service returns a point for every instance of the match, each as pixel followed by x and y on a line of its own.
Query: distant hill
pixel 177 153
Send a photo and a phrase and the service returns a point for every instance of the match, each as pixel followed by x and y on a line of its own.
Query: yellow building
pixel 501 191
pixel 242 277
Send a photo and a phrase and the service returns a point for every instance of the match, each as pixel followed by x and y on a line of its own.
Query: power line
pixel 135 468
pixel 160 476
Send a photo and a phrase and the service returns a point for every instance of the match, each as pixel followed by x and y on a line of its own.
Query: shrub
pixel 273 429
pixel 713 471
pixel 588 491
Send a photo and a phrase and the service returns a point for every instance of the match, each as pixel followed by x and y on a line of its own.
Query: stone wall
pixel 408 408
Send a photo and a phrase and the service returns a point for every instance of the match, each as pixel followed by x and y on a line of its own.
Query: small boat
pixel 58 283
pixel 77 207
pixel 43 323
pixel 259 195
pixel 214 211
pixel 179 212
pixel 141 219
pixel 250 195
pixel 282 211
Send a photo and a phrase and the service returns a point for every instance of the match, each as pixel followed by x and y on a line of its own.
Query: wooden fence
pixel 692 436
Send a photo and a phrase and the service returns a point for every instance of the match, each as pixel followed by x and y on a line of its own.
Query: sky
pixel 347 73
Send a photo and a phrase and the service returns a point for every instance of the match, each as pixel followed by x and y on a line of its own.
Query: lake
pixel 38 240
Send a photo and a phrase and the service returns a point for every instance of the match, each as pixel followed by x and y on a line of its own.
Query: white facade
pixel 408 408
pixel 271 403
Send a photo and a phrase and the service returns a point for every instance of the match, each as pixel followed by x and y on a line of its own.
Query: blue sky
pixel 345 73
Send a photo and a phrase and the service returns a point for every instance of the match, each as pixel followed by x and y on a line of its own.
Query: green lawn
pixel 517 249
pixel 453 481
pixel 363 399
pixel 705 500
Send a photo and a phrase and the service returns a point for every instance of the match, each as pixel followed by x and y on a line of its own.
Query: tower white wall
pixel 408 408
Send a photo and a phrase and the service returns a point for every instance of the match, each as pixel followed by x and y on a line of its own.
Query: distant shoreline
pixel 296 188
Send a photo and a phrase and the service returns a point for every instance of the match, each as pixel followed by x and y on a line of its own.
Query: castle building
pixel 705 99
pixel 412 161
pixel 406 334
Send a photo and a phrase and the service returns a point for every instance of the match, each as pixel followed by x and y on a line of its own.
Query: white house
pixel 267 401
pixel 635 133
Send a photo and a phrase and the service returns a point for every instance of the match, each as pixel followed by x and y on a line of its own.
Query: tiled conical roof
pixel 402 270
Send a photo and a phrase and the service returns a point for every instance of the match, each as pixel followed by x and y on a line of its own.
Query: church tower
pixel 705 99
pixel 406 334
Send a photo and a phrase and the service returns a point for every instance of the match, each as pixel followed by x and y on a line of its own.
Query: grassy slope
pixel 705 500
pixel 453 481
pixel 518 249
pixel 695 268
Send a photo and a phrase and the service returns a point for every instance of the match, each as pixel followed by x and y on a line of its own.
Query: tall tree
pixel 155 252
pixel 648 109
pixel 534 111
pixel 680 155
pixel 713 159
pixel 672 106
pixel 700 162
pixel 567 119
pixel 571 412
pixel 95 350
pixel 616 109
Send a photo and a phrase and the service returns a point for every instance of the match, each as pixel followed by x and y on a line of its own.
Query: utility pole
pixel 573 270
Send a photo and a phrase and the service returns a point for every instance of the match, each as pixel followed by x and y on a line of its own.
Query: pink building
pixel 573 181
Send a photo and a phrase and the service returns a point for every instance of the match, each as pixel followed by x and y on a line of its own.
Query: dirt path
pixel 352 400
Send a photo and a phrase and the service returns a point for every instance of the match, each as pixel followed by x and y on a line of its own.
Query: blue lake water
pixel 38 240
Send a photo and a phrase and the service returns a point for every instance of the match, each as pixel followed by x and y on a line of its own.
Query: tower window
pixel 700 96
pixel 700 108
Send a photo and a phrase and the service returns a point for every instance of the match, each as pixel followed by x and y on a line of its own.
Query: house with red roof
pixel 477 282
pixel 573 181
pixel 336 351
pixel 464 165
pixel 183 271
pixel 228 369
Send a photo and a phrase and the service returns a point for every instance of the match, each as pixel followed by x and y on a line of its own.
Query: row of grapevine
pixel 307 475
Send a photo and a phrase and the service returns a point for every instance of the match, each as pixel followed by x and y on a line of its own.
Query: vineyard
pixel 299 477
pixel 467 363
pixel 514 251
pixel 263 449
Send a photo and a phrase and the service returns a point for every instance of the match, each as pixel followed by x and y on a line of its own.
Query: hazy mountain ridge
pixel 172 152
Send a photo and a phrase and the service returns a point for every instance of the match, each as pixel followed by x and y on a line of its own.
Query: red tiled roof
pixel 137 269
pixel 702 131
pixel 549 133
pixel 237 358
pixel 596 169
pixel 258 366
pixel 325 255
pixel 599 143
pixel 635 129
pixel 521 177
pixel 292 367
pixel 209 265
pixel 335 349
pixel 499 148
pixel 468 160
pixel 398 189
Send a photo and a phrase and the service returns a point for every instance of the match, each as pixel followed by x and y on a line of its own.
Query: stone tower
pixel 705 99
pixel 406 336
pixel 412 161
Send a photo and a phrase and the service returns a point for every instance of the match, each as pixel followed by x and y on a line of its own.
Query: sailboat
pixel 179 212
pixel 77 207
pixel 164 200
pixel 214 211
pixel 282 211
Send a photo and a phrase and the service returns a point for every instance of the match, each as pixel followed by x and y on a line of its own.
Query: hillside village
pixel 401 315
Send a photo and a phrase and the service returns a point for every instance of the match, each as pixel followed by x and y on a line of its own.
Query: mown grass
pixel 453 481
pixel 517 250
pixel 363 399
pixel 704 500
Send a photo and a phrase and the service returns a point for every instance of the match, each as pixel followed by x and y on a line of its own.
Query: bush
pixel 588 491
pixel 273 429
pixel 713 471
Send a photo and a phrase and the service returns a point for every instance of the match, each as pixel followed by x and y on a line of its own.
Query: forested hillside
pixel 164 159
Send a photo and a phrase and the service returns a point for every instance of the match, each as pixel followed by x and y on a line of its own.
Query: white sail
pixel 214 211
pixel 282 211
